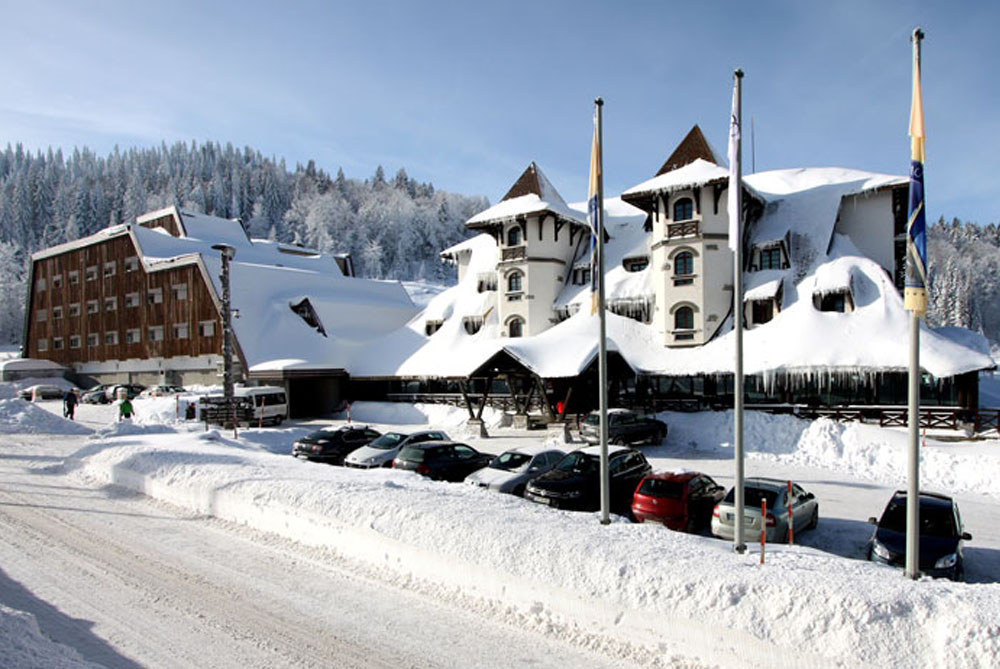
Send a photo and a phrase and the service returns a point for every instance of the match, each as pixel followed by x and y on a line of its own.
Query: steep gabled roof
pixel 532 193
pixel 692 147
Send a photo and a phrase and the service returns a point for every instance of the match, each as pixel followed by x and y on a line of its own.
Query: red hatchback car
pixel 680 500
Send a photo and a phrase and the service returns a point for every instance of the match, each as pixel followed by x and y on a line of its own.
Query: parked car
pixel 940 541
pixel 805 510
pixel 441 460
pixel 129 390
pixel 97 395
pixel 511 471
pixel 575 481
pixel 332 445
pixel 624 427
pixel 162 391
pixel 42 391
pixel 680 500
pixel 382 451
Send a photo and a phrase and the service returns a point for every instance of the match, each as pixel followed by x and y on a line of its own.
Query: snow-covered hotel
pixel 824 319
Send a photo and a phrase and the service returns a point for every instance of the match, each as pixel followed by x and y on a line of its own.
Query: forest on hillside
pixel 393 227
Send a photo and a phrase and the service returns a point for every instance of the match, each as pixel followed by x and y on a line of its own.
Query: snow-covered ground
pixel 675 597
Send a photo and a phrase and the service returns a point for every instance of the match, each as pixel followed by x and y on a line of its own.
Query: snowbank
pixel 17 415
pixel 23 645
pixel 682 594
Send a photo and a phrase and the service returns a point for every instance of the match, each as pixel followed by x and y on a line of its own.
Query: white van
pixel 270 405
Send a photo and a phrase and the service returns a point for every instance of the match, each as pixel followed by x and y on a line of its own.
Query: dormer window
pixel 430 327
pixel 684 209
pixel 472 324
pixel 770 258
pixel 581 276
pixel 514 236
pixel 839 301
pixel 636 264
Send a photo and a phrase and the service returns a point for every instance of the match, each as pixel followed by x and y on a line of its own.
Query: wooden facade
pixel 97 303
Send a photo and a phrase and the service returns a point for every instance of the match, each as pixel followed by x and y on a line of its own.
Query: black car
pixel 441 460
pixel 624 427
pixel 941 536
pixel 333 445
pixel 575 483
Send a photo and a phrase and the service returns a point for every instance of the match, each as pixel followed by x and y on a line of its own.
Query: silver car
pixel 805 511
pixel 511 471
pixel 382 451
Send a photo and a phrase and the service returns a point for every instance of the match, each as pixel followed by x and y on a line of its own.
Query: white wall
pixel 867 220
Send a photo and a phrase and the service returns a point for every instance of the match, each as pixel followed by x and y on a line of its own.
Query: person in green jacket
pixel 125 409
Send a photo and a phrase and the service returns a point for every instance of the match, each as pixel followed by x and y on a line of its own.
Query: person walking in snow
pixel 125 410
pixel 69 404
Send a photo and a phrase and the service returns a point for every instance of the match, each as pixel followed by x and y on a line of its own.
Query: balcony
pixel 513 253
pixel 683 229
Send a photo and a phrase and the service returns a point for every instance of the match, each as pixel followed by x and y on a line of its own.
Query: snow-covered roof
pixel 697 173
pixel 533 193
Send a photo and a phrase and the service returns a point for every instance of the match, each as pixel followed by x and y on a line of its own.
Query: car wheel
pixel 519 490
pixel 659 437
pixel 277 420
pixel 618 441
pixel 814 521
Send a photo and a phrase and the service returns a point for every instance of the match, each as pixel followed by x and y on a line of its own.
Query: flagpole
pixel 602 358
pixel 915 301
pixel 736 244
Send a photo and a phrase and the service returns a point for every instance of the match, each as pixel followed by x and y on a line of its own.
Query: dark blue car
pixel 941 536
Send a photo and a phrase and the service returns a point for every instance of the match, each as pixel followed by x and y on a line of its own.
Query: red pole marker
pixel 348 413
pixel 791 521
pixel 260 421
pixel 763 527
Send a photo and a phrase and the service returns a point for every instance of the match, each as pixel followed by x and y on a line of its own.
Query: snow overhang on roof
pixel 101 235
pixel 532 194
pixel 764 288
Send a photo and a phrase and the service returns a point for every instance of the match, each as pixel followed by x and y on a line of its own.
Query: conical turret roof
pixel 532 193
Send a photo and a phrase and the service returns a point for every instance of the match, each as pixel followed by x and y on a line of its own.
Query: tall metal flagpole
pixel 915 301
pixel 602 357
pixel 736 244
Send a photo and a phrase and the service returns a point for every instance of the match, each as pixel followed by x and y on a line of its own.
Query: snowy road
pixel 127 581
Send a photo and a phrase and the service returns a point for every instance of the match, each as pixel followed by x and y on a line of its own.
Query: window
pixel 92 307
pixel 770 258
pixel 40 284
pixel 57 343
pixel 684 264
pixel 180 291
pixel 156 333
pixel 74 341
pixel 180 330
pixel 684 209
pixel 74 309
pixel 131 264
pixel 43 345
pixel 472 324
pixel 581 276
pixel 430 327
pixel 131 300
pixel 111 338
pixel 636 264
pixel 514 282
pixel 516 328
pixel 110 268
pixel 133 336
pixel 762 311
pixel 42 315
pixel 92 273
pixel 57 280
pixel 684 319
pixel 92 340
pixel 57 313
pixel 74 277
pixel 514 237
pixel 833 302
pixel 154 296
pixel 206 329
pixel 111 304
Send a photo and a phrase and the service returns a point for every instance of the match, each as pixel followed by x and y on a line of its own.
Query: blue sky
pixel 466 94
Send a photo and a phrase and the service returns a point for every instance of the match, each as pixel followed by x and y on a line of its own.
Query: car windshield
pixel 579 463
pixel 661 488
pixel 592 419
pixel 935 521
pixel 388 440
pixel 510 461
pixel 753 496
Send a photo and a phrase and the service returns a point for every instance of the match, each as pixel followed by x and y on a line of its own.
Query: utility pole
pixel 226 253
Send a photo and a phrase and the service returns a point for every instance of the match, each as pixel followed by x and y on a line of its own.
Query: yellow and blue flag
pixel 915 289
pixel 593 193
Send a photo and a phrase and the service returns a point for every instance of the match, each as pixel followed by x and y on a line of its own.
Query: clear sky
pixel 465 94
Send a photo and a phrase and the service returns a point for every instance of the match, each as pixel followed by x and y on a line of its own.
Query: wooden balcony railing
pixel 683 229
pixel 513 253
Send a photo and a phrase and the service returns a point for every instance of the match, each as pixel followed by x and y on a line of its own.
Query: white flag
pixel 734 177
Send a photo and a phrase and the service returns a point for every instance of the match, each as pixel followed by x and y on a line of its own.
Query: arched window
pixel 514 236
pixel 684 264
pixel 515 328
pixel 514 282
pixel 684 319
pixel 684 209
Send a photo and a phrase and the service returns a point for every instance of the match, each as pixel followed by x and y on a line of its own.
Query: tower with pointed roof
pixel 686 205
pixel 537 234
